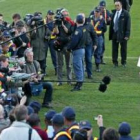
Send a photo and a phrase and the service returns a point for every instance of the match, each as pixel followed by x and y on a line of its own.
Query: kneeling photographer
pixel 62 27
pixel 32 66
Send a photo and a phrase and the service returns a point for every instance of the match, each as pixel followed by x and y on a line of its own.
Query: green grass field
pixel 121 102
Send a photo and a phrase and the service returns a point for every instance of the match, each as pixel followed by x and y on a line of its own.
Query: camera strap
pixel 30 133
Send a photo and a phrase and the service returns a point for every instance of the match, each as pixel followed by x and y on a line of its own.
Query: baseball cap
pixel 49 115
pixel 97 9
pixel 85 125
pixel 69 113
pixel 79 19
pixel 58 119
pixel 102 3
pixel 36 106
pixel 50 12
pixel 30 110
pixel 6 34
pixel 124 128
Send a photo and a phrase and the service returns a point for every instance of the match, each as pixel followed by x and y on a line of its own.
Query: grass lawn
pixel 121 102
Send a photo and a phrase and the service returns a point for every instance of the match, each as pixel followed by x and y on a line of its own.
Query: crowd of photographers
pixel 24 46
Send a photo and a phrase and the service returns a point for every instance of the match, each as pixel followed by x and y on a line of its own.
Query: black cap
pixel 6 34
pixel 30 110
pixel 124 128
pixel 69 113
pixel 85 125
pixel 36 106
pixel 58 119
pixel 49 115
pixel 79 19
pixel 97 9
pixel 102 3
pixel 50 12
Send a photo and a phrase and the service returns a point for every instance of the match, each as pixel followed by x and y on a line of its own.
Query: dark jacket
pixel 62 136
pixel 78 39
pixel 91 34
pixel 18 42
pixel 38 43
pixel 125 138
pixel 73 128
pixel 123 27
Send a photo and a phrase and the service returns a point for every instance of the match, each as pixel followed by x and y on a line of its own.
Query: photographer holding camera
pixel 50 37
pixel 38 39
pixel 21 42
pixel 3 24
pixel 62 27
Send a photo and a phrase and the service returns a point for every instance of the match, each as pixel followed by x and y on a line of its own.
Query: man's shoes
pixel 59 84
pixel 115 65
pixel 69 83
pixel 124 65
pixel 102 62
pixel 76 88
pixel 90 77
pixel 98 70
pixel 47 105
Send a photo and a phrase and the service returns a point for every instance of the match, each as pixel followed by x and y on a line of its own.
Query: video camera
pixel 2 27
pixel 59 17
pixel 8 32
pixel 37 18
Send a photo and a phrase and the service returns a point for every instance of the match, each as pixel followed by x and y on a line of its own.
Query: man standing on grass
pixel 119 33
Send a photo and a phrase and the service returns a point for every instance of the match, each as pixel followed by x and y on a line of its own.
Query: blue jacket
pixel 78 39
pixel 126 138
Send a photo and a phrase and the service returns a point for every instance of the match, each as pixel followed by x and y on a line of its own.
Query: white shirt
pixel 119 13
pixel 50 131
pixel 18 131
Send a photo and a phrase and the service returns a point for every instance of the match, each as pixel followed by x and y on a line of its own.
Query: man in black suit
pixel 126 4
pixel 119 33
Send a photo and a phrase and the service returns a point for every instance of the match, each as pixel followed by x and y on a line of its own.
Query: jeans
pixel 52 52
pixel 98 51
pixel 48 94
pixel 88 58
pixel 78 64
